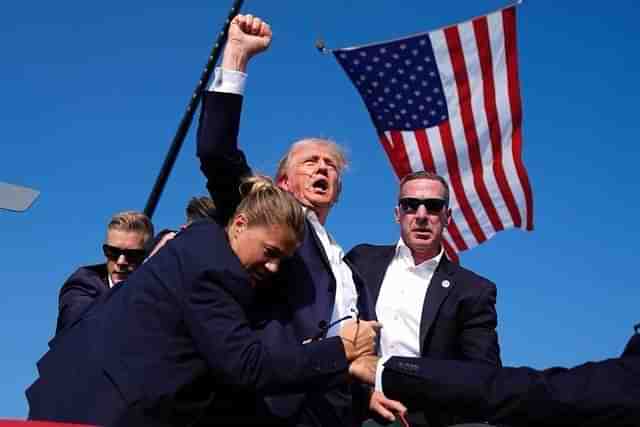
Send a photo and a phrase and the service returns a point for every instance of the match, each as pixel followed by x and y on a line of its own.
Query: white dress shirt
pixel 400 304
pixel 346 298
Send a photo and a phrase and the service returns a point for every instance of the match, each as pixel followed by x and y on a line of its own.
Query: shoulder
pixel 91 278
pixel 368 250
pixel 468 279
pixel 89 273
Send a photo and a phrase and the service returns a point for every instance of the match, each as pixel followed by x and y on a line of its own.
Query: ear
pixel 447 217
pixel 396 214
pixel 239 224
pixel 283 182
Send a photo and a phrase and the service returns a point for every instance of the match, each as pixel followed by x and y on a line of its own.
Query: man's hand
pixel 385 407
pixel 248 36
pixel 359 338
pixel 364 369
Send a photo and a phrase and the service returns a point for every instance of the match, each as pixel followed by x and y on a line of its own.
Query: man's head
pixel 423 213
pixel 124 248
pixel 312 172
pixel 199 208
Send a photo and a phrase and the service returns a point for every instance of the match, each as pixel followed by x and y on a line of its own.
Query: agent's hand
pixel 248 36
pixel 364 369
pixel 386 407
pixel 359 338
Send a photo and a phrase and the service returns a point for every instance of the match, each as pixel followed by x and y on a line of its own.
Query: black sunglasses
pixel 409 205
pixel 134 256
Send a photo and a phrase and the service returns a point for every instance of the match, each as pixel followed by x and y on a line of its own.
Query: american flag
pixel 448 101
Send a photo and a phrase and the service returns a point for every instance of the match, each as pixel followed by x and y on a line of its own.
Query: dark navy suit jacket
pixel 595 394
pixel 458 320
pixel 304 292
pixel 172 340
pixel 79 291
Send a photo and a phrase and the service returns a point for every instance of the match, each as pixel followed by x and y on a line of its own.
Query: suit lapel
pixel 441 284
pixel 379 269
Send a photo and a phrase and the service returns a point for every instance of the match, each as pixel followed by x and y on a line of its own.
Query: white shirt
pixel 228 81
pixel 346 298
pixel 400 304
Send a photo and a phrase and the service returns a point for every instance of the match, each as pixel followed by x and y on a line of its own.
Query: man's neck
pixel 420 257
pixel 321 213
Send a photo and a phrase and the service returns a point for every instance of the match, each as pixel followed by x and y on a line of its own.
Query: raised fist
pixel 248 35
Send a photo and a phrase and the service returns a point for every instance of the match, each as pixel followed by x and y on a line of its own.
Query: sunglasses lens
pixel 110 252
pixel 134 256
pixel 434 205
pixel 411 204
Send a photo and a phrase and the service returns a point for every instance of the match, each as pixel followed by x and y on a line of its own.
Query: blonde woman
pixel 177 338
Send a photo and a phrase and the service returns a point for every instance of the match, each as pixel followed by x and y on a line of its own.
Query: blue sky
pixel 92 94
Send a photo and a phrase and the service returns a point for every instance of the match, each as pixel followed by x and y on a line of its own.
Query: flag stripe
pixel 454 43
pixel 456 181
pixel 456 236
pixel 425 151
pixel 396 154
pixel 499 56
pixel 476 85
pixel 481 31
pixel 453 161
pixel 455 157
pixel 434 142
pixel 411 144
pixel 509 23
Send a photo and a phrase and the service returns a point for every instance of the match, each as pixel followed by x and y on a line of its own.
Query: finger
pixel 265 30
pixel 255 26
pixel 382 411
pixel 248 23
pixel 239 20
pixel 393 405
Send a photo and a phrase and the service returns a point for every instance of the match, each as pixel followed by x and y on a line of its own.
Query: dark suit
pixel 305 292
pixel 595 394
pixel 79 291
pixel 173 340
pixel 458 320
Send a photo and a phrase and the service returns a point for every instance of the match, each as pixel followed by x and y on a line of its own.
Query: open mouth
pixel 320 184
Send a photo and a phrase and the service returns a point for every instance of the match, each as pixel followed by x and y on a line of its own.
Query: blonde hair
pixel 132 221
pixel 264 203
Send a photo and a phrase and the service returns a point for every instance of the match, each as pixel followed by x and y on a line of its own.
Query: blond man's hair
pixel 132 221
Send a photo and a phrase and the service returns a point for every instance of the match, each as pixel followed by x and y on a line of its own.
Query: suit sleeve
pixel 75 296
pixel 221 161
pixel 478 337
pixel 606 391
pixel 238 358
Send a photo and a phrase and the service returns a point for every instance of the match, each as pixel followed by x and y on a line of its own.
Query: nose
pixel 421 213
pixel 322 167
pixel 122 260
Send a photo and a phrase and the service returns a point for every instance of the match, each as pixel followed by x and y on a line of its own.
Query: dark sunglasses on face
pixel 134 256
pixel 409 205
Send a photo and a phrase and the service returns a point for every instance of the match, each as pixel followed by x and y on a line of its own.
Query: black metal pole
pixel 187 118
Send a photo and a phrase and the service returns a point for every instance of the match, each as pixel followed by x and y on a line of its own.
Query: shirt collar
pixel 404 253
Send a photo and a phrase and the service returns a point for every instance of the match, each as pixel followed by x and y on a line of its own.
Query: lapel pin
pixel 446 283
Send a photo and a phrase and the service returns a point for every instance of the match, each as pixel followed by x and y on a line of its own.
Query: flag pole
pixel 187 118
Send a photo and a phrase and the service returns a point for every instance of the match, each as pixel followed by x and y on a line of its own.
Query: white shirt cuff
pixel 379 369
pixel 228 81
